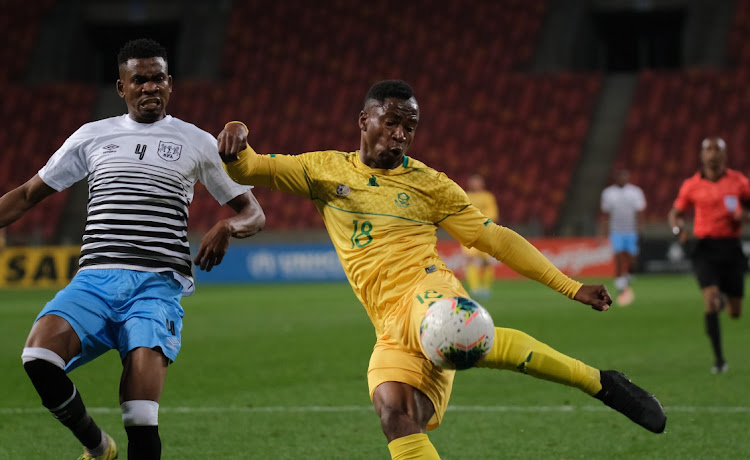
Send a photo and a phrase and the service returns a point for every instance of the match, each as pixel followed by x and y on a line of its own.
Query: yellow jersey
pixel 485 202
pixel 383 222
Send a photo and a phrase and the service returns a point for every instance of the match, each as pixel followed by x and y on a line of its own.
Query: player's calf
pixel 45 368
pixel 141 421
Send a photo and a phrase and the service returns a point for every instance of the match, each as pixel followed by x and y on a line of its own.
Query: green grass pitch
pixel 278 372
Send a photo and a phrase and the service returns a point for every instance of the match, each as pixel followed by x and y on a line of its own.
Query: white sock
pixel 621 282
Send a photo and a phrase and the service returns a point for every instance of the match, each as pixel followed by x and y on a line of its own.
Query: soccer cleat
pixel 640 406
pixel 720 368
pixel 109 454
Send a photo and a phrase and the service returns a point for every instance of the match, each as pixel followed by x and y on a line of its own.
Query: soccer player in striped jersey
pixel 720 198
pixel 622 205
pixel 135 261
pixel 382 209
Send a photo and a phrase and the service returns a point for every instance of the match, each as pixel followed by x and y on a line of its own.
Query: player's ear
pixel 363 120
pixel 169 82
pixel 119 85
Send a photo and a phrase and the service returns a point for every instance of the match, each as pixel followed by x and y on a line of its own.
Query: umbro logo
pixel 110 148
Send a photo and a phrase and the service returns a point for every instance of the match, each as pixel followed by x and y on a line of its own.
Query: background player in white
pixel 135 260
pixel 622 206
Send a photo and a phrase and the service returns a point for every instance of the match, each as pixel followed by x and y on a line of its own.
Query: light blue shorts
pixel 114 309
pixel 624 242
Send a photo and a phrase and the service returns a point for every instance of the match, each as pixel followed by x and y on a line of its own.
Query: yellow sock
pixel 472 276
pixel 517 351
pixel 413 447
pixel 488 274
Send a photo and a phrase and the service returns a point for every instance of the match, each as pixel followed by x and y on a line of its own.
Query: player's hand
pixel 232 140
pixel 595 295
pixel 214 245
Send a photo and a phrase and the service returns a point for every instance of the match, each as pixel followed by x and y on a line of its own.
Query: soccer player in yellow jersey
pixel 382 210
pixel 478 265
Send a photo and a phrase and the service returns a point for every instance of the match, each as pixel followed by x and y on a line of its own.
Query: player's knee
pixel 140 413
pixel 40 363
pixel 394 419
pixel 31 354
pixel 713 303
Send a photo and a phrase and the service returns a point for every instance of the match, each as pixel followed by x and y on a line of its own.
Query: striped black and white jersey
pixel 623 204
pixel 141 178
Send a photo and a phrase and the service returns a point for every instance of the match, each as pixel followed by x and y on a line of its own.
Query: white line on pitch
pixel 335 409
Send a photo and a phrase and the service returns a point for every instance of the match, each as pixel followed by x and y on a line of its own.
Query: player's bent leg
pixel 517 351
pixel 51 343
pixel 143 376
pixel 404 413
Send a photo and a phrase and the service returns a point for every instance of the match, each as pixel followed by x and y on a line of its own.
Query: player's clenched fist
pixel 232 140
pixel 595 295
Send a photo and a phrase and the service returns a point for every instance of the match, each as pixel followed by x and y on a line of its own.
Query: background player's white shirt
pixel 141 178
pixel 622 204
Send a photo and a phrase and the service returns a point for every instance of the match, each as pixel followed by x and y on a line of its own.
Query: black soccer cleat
pixel 627 398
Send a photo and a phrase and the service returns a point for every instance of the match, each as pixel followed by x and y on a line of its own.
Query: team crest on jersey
pixel 343 190
pixel 402 200
pixel 169 151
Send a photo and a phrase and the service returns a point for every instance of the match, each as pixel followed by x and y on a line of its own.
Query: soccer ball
pixel 456 332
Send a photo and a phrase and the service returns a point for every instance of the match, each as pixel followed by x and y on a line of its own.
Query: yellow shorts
pixel 398 357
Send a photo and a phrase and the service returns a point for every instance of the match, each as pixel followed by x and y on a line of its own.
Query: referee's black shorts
pixel 721 262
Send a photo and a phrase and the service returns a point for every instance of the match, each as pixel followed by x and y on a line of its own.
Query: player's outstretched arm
pixel 249 220
pixel 471 228
pixel 244 166
pixel 14 204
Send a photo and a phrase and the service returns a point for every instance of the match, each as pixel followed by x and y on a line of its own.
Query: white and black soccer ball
pixel 456 333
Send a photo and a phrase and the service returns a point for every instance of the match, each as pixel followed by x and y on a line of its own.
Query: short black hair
pixel 140 48
pixel 382 90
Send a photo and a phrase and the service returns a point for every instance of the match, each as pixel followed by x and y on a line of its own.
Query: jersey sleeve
pixel 465 225
pixel 448 199
pixel 212 174
pixel 68 164
pixel 520 255
pixel 604 202
pixel 286 173
pixel 641 201
pixel 683 200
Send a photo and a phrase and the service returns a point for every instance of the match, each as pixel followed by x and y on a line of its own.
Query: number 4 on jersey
pixel 140 150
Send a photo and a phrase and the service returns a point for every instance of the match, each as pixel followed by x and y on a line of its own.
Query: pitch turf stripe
pixel 335 409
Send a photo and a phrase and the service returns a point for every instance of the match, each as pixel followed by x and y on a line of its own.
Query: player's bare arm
pixel 232 140
pixel 249 220
pixel 14 204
